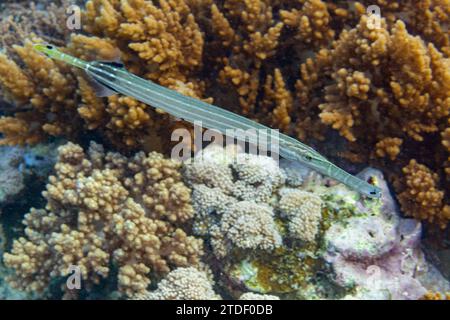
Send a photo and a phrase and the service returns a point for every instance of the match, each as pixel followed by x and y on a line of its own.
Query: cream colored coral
pixel 183 284
pixel 247 225
pixel 259 177
pixel 304 212
pixel 210 170
pixel 257 296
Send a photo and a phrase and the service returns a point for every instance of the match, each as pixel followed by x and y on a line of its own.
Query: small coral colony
pixel 94 205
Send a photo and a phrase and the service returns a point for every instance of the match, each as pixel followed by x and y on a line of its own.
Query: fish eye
pixel 49 47
pixel 373 192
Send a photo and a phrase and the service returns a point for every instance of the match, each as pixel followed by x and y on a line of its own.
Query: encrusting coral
pixel 379 256
pixel 97 218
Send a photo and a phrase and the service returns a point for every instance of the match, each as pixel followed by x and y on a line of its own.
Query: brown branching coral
pixel 420 196
pixel 415 89
pixel 163 43
pixel 48 87
pixel 279 99
pixel 384 88
pixel 388 147
pixel 95 218
pixel 60 102
pixel 446 143
pixel 426 18
pixel 158 182
pixel 249 45
pixel 312 23
pixel 19 20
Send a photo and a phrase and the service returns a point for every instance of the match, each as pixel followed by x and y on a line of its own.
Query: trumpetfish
pixel 114 78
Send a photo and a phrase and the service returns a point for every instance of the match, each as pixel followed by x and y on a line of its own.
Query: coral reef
pixel 389 97
pixel 276 244
pixel 315 69
pixel 245 225
pixel 235 197
pixel 96 216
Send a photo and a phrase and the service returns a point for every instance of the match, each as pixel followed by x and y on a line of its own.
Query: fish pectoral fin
pixel 100 89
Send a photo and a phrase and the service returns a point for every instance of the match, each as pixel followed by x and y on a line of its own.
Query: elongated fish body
pixel 114 77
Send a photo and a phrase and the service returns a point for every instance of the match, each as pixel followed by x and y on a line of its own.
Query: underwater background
pixel 87 185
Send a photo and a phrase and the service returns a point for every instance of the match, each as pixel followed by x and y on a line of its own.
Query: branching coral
pixel 407 96
pixel 48 21
pixel 393 92
pixel 166 39
pixel 420 196
pixel 311 23
pixel 427 18
pixel 388 147
pixel 49 88
pixel 94 218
